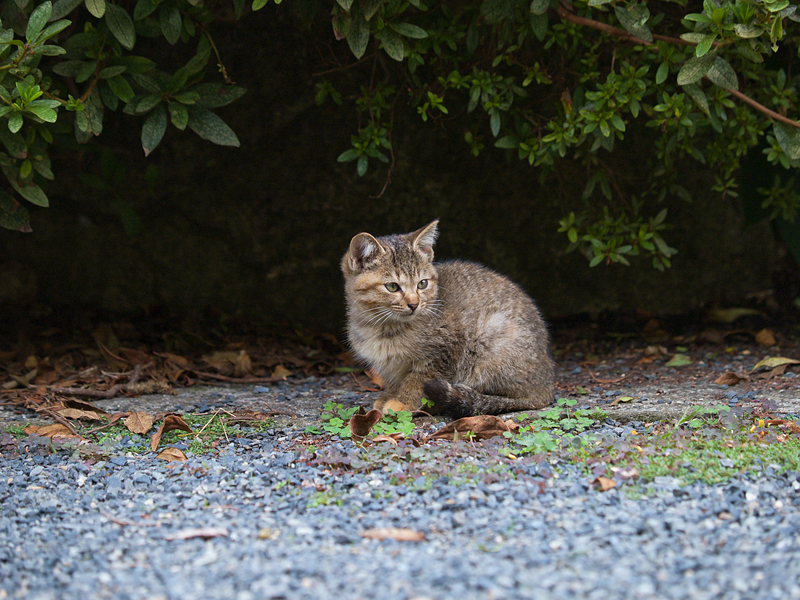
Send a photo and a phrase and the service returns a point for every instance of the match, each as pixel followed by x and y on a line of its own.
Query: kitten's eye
pixel 392 286
pixel 422 284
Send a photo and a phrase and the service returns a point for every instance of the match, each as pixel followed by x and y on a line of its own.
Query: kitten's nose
pixel 413 307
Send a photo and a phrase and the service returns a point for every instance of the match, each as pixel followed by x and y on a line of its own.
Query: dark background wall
pixel 259 230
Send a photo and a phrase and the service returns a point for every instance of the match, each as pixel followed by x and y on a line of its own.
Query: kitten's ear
pixel 424 239
pixel 364 250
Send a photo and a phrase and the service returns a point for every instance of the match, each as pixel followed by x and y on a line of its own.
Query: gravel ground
pixel 493 527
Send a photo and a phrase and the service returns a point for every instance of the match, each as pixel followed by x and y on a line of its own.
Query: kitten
pixel 456 333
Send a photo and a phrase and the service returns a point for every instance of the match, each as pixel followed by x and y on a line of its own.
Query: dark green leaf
pixel 238 8
pixel 214 95
pixel 410 31
pixel 634 20
pixel 38 19
pixel 210 127
pixel 121 25
pixel 539 7
pixel 153 129
pixel 698 95
pixel 52 30
pixel 662 73
pixel 392 43
pixel 137 64
pixel 14 143
pixel 789 139
pixel 508 142
pixel 49 50
pixel 15 122
pixel 539 26
pixel 28 190
pixel 45 114
pixel 496 11
pixel 358 36
pixel 109 99
pixel 144 104
pixel 369 8
pixel 179 115
pixel 345 4
pixel 361 165
pixel 747 31
pixel 110 72
pixel 722 73
pixel 121 88
pixel 61 8
pixel 259 4
pixel 695 68
pixel 705 44
pixel 147 83
pixel 144 8
pixel 348 155
pixel 97 8
pixel 13 215
pixel 70 68
pixel 171 23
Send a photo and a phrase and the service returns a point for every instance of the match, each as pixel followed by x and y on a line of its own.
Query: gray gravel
pixel 493 528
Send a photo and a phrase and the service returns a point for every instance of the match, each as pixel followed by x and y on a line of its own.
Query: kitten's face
pixel 391 279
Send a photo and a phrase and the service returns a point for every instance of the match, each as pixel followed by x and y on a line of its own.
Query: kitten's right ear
pixel 364 250
pixel 424 239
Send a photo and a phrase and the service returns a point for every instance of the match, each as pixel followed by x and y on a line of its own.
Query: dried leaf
pixel 729 315
pixel 766 338
pixel 56 430
pixel 31 429
pixel 679 360
pixel 392 439
pixel 139 422
pixel 134 357
pixel 201 532
pixel 171 422
pixel 281 372
pixel 268 533
pixel 361 424
pixel 776 361
pixel 171 454
pixel 242 365
pixel 85 406
pixel 729 378
pixel 483 427
pixel 604 483
pixel 77 413
pixel 399 534
pixel 224 362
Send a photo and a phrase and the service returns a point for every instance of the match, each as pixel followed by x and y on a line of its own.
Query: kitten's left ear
pixel 424 239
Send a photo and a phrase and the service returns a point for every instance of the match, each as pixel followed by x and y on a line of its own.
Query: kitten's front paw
pixel 379 404
pixel 396 406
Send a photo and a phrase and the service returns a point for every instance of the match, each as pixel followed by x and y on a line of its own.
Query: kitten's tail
pixel 463 401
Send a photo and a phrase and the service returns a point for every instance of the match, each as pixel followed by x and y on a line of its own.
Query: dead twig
pixel 362 386
pixel 110 392
pixel 123 522
pixel 598 380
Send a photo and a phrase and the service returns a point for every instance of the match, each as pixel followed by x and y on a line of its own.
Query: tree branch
pixel 567 15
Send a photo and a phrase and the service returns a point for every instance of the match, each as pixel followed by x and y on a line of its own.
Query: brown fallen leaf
pixel 172 454
pixel 200 532
pixel 56 430
pixel 730 378
pixel 392 439
pixel 281 371
pixel 242 365
pixel 171 422
pixel 139 422
pixel 76 413
pixel 134 357
pixel 482 427
pixel 766 338
pixel 85 406
pixel 771 362
pixel 361 423
pixel 603 483
pixel 399 534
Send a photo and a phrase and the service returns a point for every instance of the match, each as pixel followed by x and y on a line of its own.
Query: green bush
pixel 632 92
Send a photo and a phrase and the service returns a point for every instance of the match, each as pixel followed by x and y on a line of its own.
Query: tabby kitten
pixel 456 333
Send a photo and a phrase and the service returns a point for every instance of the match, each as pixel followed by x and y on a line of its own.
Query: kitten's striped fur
pixel 456 332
